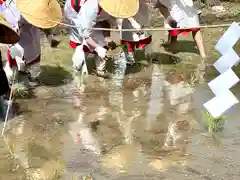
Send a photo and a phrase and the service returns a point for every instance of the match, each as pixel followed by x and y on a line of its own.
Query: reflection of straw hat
pixel 120 8
pixel 8 36
pixel 40 13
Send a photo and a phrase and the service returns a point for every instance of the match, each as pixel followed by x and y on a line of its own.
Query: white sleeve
pixel 87 18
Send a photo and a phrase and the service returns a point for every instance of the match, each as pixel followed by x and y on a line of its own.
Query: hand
pixel 101 51
pixel 171 22
pixel 20 63
pixel 112 45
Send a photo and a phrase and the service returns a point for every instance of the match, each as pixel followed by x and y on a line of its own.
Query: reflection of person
pixel 182 14
pixel 26 53
pixel 135 39
pixel 178 96
pixel 8 36
pixel 84 17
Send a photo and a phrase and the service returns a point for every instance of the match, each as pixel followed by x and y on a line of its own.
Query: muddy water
pixel 142 127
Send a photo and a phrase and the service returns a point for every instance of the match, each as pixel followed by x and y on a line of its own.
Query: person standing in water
pixel 135 39
pixel 84 15
pixel 181 14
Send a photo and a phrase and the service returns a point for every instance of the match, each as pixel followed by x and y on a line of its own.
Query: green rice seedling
pixel 214 124
pixel 19 90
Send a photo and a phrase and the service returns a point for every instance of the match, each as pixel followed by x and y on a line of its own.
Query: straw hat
pixel 40 13
pixel 120 8
pixel 8 35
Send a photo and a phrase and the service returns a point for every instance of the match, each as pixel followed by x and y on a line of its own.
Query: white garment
pixel 183 11
pixel 143 17
pixel 85 19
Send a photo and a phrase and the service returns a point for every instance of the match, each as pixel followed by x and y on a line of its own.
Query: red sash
pixel 75 4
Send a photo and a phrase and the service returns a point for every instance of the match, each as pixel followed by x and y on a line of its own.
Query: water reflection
pixel 156 100
pixel 178 101
pixel 126 125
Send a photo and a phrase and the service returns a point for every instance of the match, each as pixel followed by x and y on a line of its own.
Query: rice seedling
pixel 214 124
pixel 19 90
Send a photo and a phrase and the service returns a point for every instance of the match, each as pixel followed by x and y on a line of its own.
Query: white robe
pixel 85 19
pixel 183 11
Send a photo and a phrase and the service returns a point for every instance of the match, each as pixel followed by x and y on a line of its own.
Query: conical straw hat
pixel 8 35
pixel 40 13
pixel 120 8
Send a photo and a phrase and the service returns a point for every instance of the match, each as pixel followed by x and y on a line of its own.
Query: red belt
pixel 73 45
pixel 140 44
pixel 184 32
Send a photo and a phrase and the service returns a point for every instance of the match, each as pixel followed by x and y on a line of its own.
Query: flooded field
pixel 143 130
pixel 147 124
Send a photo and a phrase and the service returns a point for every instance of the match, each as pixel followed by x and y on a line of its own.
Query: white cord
pixel 9 103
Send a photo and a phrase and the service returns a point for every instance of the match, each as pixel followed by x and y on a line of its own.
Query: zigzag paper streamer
pixel 221 85
pixel 223 82
pixel 227 61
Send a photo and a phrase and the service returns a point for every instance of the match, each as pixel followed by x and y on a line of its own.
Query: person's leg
pixel 129 52
pixel 130 58
pixel 172 41
pixel 79 58
pixel 101 65
pixel 34 68
pixel 79 69
pixel 197 36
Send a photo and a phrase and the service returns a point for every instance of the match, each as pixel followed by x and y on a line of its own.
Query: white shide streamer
pixel 221 85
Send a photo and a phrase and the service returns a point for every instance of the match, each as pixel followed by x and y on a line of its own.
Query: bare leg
pixel 172 43
pixel 197 36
